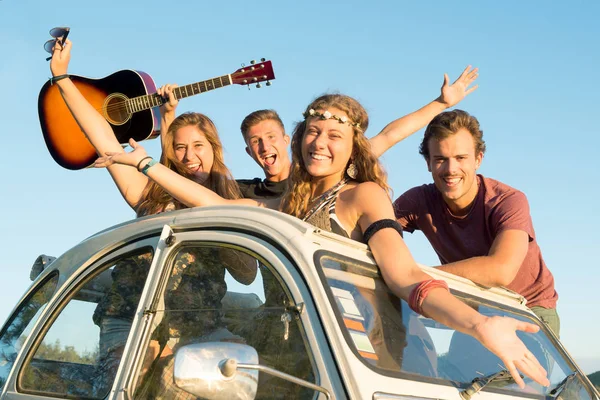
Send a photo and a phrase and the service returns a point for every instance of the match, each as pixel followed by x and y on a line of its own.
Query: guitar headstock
pixel 254 73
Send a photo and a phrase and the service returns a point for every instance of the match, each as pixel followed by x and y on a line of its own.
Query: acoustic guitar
pixel 128 100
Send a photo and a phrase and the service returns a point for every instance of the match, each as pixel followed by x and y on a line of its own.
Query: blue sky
pixel 537 102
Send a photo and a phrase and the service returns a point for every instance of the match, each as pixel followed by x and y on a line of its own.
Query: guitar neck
pixel 148 101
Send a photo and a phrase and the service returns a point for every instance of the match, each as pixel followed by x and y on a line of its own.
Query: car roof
pixel 270 225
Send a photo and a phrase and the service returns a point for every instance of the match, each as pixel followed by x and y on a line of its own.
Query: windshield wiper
pixel 480 382
pixel 558 389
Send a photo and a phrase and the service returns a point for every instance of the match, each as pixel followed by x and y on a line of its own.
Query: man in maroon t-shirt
pixel 480 228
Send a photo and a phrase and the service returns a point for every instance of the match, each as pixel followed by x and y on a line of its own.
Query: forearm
pixel 483 270
pixel 92 123
pixel 439 304
pixel 400 129
pixel 445 308
pixel 97 130
pixel 183 189
pixel 188 192
pixel 166 119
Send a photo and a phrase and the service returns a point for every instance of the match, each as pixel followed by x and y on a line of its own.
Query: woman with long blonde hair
pixel 191 148
pixel 218 178
pixel 338 185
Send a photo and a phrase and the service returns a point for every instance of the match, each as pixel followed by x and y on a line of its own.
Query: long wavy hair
pixel 297 197
pixel 154 198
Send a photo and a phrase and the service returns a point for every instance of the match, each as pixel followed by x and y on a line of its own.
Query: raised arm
pixel 401 274
pixel 167 110
pixel 400 129
pixel 183 189
pixel 129 182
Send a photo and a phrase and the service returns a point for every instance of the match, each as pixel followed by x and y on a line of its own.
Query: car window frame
pixel 68 285
pixel 371 271
pixel 31 292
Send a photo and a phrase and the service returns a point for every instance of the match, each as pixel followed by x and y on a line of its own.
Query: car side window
pixel 216 293
pixel 80 352
pixel 19 326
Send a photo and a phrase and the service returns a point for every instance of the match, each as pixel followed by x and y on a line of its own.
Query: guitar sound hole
pixel 115 109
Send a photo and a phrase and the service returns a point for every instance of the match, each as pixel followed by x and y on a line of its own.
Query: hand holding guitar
pixel 171 102
pixel 167 110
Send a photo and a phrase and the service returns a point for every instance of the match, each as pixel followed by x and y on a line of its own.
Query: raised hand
pixel 498 334
pixel 166 92
pixel 132 158
pixel 61 55
pixel 452 94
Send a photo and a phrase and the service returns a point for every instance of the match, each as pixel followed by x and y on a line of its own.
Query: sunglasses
pixel 59 34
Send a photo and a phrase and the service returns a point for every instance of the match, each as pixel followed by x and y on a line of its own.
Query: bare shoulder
pixel 367 191
pixel 365 197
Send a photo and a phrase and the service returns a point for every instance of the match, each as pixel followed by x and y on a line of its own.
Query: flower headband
pixel 328 115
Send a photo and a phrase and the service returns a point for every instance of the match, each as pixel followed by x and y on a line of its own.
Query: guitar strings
pixel 123 106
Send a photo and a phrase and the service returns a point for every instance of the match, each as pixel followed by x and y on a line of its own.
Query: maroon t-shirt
pixel 497 207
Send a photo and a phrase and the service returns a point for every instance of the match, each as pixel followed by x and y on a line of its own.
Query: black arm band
pixel 381 224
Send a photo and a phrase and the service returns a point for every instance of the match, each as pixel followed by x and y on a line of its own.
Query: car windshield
pixel 389 337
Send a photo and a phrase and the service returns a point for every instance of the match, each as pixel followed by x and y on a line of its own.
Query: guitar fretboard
pixel 146 102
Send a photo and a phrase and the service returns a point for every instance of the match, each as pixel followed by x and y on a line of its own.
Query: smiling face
pixel 267 143
pixel 453 165
pixel 327 147
pixel 193 149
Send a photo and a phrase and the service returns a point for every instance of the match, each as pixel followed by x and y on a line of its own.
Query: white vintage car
pixel 245 303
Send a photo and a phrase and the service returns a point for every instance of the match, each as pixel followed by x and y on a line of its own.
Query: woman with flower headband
pixel 339 185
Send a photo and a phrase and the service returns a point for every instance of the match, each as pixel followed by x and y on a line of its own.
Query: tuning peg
pixel 268 83
pixel 252 61
pixel 263 59
pixel 258 85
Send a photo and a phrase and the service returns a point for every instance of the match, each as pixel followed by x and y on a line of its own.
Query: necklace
pixel 324 198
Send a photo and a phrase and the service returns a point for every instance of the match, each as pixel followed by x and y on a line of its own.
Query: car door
pixel 71 342
pixel 220 286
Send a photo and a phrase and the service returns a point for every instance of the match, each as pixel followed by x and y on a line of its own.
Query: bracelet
pixel 58 78
pixel 138 164
pixel 420 292
pixel 147 166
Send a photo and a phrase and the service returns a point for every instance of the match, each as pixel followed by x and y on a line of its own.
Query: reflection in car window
pixel 19 326
pixel 387 335
pixel 80 353
pixel 216 293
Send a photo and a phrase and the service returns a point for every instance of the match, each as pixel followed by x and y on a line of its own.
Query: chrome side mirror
pixel 39 264
pixel 198 370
